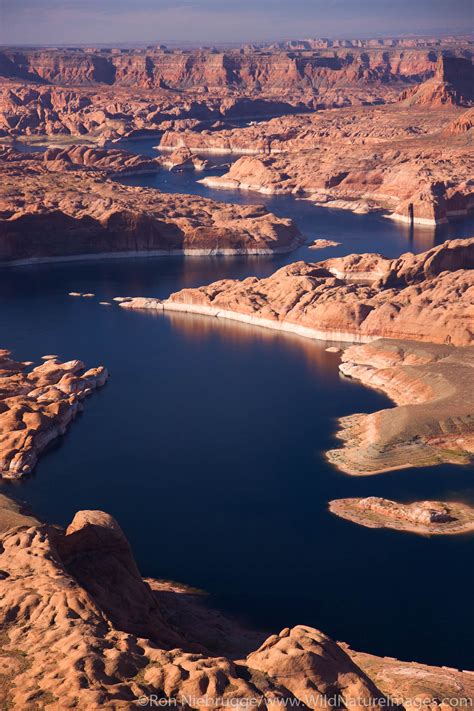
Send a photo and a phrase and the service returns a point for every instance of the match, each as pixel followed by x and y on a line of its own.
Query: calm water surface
pixel 207 445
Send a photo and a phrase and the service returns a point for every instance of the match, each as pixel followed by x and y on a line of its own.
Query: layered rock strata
pixel 47 212
pixel 423 517
pixel 452 84
pixel 82 629
pixel 37 406
pixel 432 387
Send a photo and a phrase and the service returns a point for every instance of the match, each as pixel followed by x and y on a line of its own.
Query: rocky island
pixel 423 517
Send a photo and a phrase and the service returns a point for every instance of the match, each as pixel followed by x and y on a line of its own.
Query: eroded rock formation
pixel 83 630
pixel 433 421
pixel 426 297
pixel 452 84
pixel 47 211
pixel 36 407
pixel 415 165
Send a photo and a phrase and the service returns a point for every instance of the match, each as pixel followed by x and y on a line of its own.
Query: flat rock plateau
pixel 424 517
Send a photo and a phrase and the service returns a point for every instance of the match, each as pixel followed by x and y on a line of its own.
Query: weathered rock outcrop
pixel 183 159
pixel 37 406
pixel 47 212
pixel 426 297
pixel 83 630
pixel 433 421
pixel 452 84
pixel 423 517
pixel 111 162
pixel 414 164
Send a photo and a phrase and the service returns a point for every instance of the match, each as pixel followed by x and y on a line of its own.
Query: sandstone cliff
pixel 452 84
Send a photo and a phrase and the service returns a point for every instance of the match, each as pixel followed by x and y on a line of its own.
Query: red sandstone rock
pixel 423 517
pixel 452 84
pixel 433 388
pixel 58 213
pixel 36 407
pixel 426 297
pixel 390 158
pixel 83 630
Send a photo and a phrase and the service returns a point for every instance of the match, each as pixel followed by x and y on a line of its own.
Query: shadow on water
pixel 208 445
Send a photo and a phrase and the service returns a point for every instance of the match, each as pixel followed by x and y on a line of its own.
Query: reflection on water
pixel 197 329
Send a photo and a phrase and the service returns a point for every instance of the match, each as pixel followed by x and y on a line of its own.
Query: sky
pixel 213 21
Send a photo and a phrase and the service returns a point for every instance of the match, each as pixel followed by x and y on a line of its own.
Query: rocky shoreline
pixel 418 344
pixel 65 205
pixel 365 159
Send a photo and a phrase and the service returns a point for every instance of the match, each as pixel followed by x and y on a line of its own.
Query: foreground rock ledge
pixel 83 630
pixel 423 517
pixel 37 406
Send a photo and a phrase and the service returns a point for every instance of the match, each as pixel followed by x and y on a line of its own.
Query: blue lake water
pixel 208 443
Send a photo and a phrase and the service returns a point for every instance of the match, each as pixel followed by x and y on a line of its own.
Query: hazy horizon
pixel 37 22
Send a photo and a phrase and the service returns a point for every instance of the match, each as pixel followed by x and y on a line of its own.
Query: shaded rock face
pixel 182 70
pixel 72 639
pixel 48 212
pixel 452 84
pixel 426 297
pixel 37 406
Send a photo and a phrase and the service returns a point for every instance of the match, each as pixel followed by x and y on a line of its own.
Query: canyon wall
pixel 257 70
